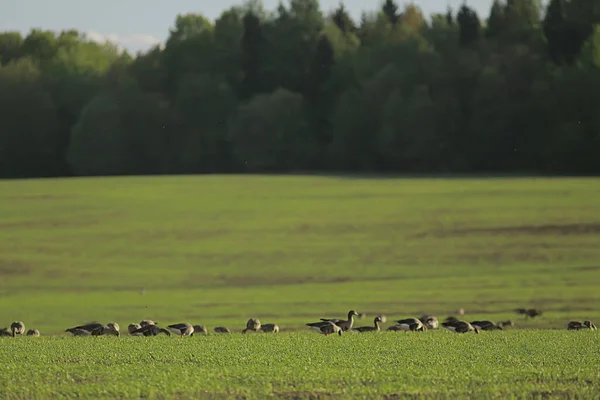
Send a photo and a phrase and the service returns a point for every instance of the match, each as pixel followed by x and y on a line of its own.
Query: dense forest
pixel 298 89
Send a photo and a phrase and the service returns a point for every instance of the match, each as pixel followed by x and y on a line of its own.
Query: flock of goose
pixel 325 326
pixel 332 326
pixel 144 328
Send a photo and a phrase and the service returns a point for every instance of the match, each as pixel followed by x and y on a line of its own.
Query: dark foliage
pixel 297 91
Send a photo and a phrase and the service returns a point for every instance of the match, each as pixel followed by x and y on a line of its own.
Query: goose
pixel 132 328
pixel 577 325
pixel 87 327
pixel 395 328
pixel 503 324
pixel 382 318
pixel 33 332
pixel 182 329
pixel 221 329
pixel 345 325
pixel 521 311
pixel 146 322
pixel 485 325
pixel 460 327
pixel 408 324
pixel 329 328
pixel 269 328
pixel 151 330
pixel 532 313
pixel 112 328
pixel 17 328
pixel 398 328
pixel 430 321
pixel 362 315
pixel 450 323
pixel 5 332
pixel 99 331
pixel 253 325
pixel 374 328
pixel 460 311
pixel 200 329
pixel 79 332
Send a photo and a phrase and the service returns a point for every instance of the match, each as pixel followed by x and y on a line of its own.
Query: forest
pixel 299 89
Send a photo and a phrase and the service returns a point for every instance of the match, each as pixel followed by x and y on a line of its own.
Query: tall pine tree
pixel 469 26
pixel 390 9
pixel 253 49
pixel 556 32
pixel 342 19
pixel 496 23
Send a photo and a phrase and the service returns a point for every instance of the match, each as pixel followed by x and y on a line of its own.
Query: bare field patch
pixel 14 267
pixel 587 268
pixel 50 223
pixel 525 230
pixel 38 197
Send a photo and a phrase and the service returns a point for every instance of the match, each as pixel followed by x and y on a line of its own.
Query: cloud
pixel 135 42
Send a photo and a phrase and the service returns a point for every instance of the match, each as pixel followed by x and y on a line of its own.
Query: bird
pixel 382 318
pixel 33 332
pixel 577 325
pixel 79 332
pixel 132 328
pixel 182 329
pixel 374 328
pixel 221 329
pixel 408 324
pixel 5 332
pixel 329 328
pixel 528 312
pixel 343 324
pixel 146 322
pixel 430 321
pixel 112 328
pixel 17 328
pixel 460 326
pixel 460 311
pixel 151 330
pixel 253 325
pixel 590 325
pixel 269 328
pixel 200 329
pixel 486 325
pixel 503 324
pixel 86 327
pixel 532 313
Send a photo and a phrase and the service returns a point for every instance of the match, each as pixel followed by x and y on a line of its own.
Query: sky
pixel 139 24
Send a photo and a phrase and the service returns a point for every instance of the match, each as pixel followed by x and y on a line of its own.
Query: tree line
pixel 297 89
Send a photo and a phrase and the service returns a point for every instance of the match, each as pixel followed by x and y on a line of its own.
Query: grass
pixel 440 364
pixel 216 250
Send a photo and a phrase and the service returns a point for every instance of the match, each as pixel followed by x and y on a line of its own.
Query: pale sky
pixel 138 24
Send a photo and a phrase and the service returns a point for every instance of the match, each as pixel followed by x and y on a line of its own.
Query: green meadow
pixel 216 250
pixel 219 249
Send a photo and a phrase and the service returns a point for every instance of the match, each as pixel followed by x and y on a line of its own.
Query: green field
pixel 216 250
pixel 520 363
